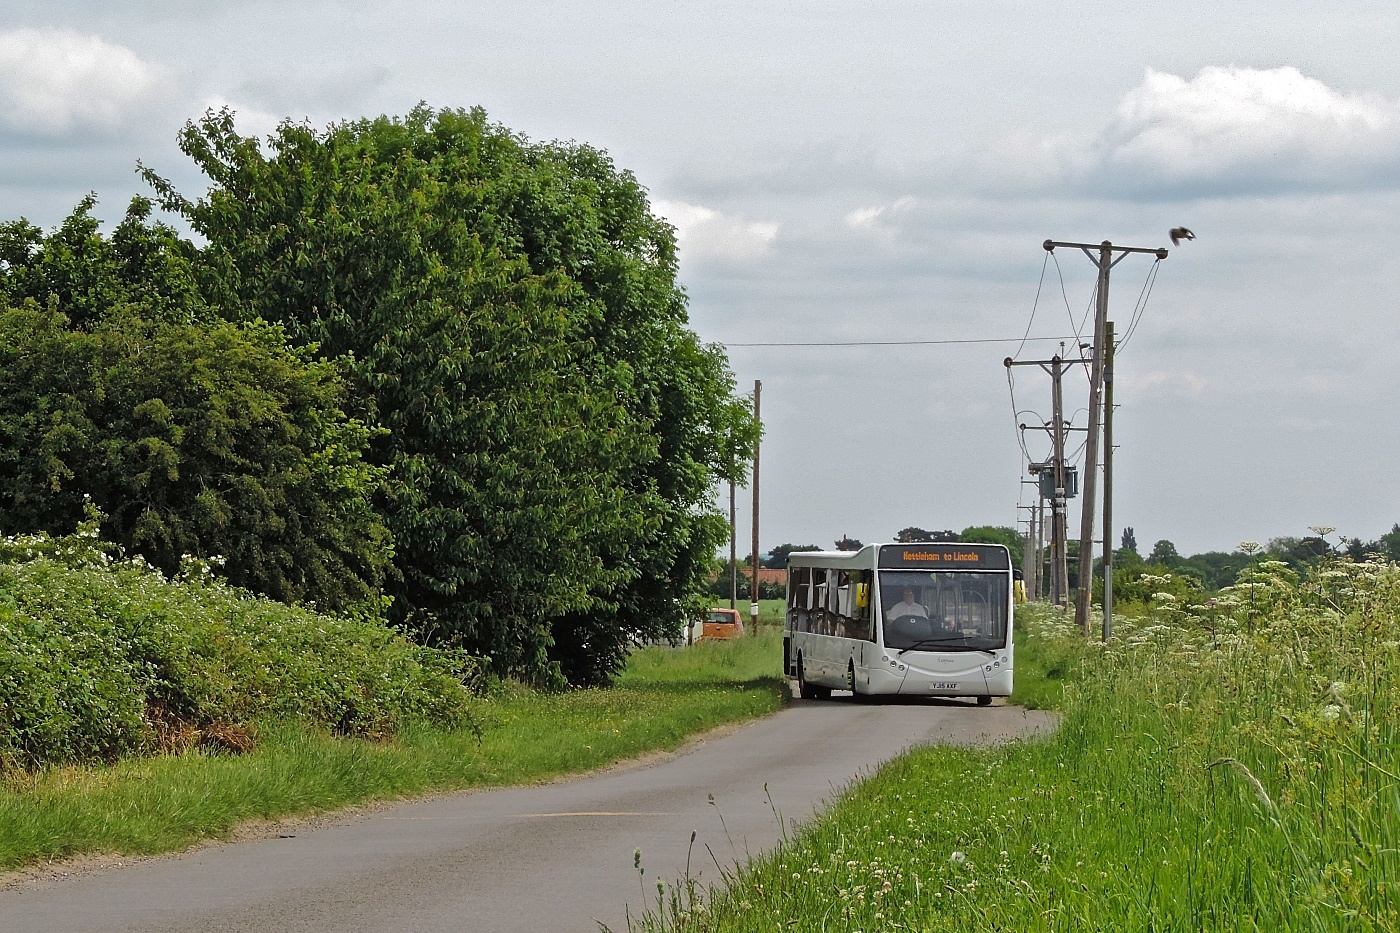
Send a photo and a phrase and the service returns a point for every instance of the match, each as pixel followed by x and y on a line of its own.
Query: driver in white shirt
pixel 908 606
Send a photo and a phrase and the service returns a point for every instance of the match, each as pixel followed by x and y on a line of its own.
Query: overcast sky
pixel 886 171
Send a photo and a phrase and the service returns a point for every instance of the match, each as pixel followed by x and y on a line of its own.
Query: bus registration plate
pixel 943 685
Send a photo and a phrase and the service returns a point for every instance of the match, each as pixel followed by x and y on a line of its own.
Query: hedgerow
pixel 103 656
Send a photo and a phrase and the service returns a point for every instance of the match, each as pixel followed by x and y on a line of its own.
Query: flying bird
pixel 1180 233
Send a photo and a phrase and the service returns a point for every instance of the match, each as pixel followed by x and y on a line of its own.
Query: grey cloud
pixel 61 84
pixel 1227 132
pixel 86 13
pixel 998 138
pixel 296 90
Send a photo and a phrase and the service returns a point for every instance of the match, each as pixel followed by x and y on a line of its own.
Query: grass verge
pixel 1046 666
pixel 161 803
pixel 1228 765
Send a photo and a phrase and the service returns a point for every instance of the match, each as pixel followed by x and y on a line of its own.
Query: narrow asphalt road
pixel 556 858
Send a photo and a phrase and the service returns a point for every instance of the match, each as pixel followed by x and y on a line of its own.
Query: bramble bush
pixel 103 656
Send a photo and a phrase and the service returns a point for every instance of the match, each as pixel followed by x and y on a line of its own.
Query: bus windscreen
pixel 943 611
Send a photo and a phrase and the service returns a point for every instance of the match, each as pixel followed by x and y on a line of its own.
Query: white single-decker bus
pixel 906 619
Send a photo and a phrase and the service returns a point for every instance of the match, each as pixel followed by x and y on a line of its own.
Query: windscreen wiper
pixel 936 642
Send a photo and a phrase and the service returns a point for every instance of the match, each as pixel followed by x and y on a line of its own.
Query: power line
pixel 1035 305
pixel 889 343
pixel 1077 328
pixel 1016 414
pixel 1143 297
pixel 1104 256
pixel 1010 382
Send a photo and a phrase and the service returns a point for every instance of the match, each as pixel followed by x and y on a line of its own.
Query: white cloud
pixel 1244 129
pixel 703 232
pixel 866 217
pixel 57 82
pixel 1163 383
pixel 248 120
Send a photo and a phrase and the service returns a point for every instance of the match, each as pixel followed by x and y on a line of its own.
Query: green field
pixel 770 611
pixel 160 803
pixel 1228 765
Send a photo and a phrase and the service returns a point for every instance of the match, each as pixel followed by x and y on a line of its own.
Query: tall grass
pixel 748 659
pixel 154 804
pixel 1230 764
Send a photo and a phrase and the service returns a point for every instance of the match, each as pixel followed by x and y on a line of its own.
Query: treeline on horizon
pixel 1204 572
pixel 1214 570
pixel 777 557
pixel 418 368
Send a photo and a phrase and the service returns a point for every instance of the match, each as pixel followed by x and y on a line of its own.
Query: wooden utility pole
pixel 733 552
pixel 1105 260
pixel 1059 535
pixel 1084 579
pixel 1030 553
pixel 1108 481
pixel 1040 549
pixel 753 594
pixel 1028 545
pixel 1059 545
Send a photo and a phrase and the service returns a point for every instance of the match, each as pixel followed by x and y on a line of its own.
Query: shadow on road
pixel 845 696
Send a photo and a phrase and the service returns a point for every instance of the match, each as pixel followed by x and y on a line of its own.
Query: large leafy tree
pixel 85 274
pixel 510 316
pixel 193 435
pixel 917 535
pixel 996 534
pixel 778 556
pixel 1387 546
pixel 1165 553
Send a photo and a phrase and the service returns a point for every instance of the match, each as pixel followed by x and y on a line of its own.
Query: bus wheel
pixel 804 689
pixel 856 695
pixel 809 691
pixel 984 701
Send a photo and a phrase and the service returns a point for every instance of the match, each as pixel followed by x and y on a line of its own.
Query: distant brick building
pixel 772 581
pixel 765 574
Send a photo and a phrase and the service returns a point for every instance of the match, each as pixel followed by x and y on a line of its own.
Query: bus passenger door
pixel 815 654
pixel 862 625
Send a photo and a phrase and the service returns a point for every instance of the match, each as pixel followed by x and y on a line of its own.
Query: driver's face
pixel 908 596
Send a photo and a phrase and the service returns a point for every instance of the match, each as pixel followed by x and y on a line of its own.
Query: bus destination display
pixel 944 557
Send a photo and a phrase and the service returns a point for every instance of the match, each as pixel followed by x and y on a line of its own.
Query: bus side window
pixel 865 627
pixel 841 602
pixel 818 623
pixel 799 582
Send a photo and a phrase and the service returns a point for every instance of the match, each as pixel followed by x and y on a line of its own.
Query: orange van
pixel 722 624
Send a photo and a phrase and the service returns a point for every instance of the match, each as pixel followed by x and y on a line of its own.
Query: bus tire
pixel 984 701
pixel 856 695
pixel 809 691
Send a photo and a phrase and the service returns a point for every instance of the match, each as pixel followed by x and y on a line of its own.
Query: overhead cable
pixel 1148 284
pixel 885 343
